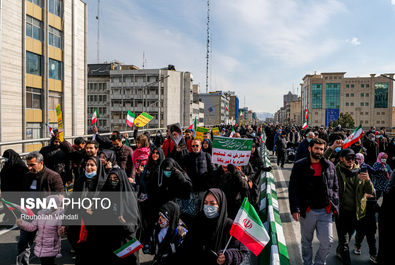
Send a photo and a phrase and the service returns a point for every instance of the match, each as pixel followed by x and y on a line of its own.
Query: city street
pixel 292 228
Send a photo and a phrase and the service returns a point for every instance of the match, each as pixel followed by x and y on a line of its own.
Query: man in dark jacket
pixel 313 196
pixel 198 166
pixel 303 146
pixel 281 148
pixel 39 178
pixel 57 157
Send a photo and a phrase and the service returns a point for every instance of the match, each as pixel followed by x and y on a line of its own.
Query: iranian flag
pixel 262 137
pixel 95 116
pixel 305 118
pixel 232 132
pixel 353 138
pixel 15 207
pixel 50 130
pixel 227 109
pixel 130 118
pixel 248 229
pixel 128 249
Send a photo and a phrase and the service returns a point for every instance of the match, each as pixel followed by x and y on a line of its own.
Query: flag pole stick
pixel 14 214
pixel 227 244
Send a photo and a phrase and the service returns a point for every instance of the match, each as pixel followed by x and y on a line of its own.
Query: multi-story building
pixel 234 109
pixel 165 94
pixel 198 109
pixel 42 64
pixel 216 106
pixel 367 99
pixel 295 112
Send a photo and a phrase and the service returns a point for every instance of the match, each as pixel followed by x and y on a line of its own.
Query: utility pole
pixel 98 31
pixel 208 43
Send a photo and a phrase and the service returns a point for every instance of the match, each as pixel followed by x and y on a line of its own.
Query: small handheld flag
pixel 95 116
pixel 353 138
pixel 15 207
pixel 50 129
pixel 248 229
pixel 130 118
pixel 128 249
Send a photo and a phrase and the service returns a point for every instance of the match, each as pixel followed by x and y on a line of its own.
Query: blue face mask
pixel 338 149
pixel 253 134
pixel 211 211
pixel 309 140
pixel 90 175
pixel 6 159
pixel 167 173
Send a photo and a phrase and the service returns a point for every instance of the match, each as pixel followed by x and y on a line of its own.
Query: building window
pixel 55 69
pixel 55 7
pixel 347 86
pixel 367 95
pixel 366 122
pixel 332 95
pixel 362 85
pixel 366 103
pixel 378 113
pixel 362 94
pixel 33 130
pixel 316 96
pixel 352 85
pixel 33 63
pixel 55 98
pixel 381 95
pixel 352 95
pixel 352 104
pixel 55 37
pixel 347 103
pixel 366 113
pixel 33 98
pixel 367 85
pixel 347 95
pixel 383 113
pixel 33 28
pixel 37 2
pixel 362 104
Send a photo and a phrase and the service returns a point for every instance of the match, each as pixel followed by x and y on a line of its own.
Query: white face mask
pixel 164 224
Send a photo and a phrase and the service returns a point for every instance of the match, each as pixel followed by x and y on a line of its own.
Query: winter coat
pixel 381 178
pixel 58 158
pixel 47 180
pixel 372 151
pixel 199 168
pixel 301 173
pixel 303 150
pixel 48 241
pixel 281 144
pixel 124 159
pixel 12 172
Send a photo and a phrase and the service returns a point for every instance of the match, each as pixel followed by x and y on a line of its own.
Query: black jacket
pixel 298 190
pixel 199 168
pixel 302 150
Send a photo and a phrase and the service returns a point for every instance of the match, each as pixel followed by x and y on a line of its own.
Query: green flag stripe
pixel 125 246
pixel 246 206
pixel 147 115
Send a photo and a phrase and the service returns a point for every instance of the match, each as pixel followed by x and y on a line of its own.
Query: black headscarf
pixel 168 164
pixel 158 140
pixel 209 149
pixel 172 212
pixel 100 178
pixel 215 229
pixel 129 208
pixel 13 171
pixel 110 156
pixel 155 163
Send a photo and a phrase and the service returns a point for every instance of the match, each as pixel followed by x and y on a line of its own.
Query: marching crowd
pixel 354 185
pixel 175 201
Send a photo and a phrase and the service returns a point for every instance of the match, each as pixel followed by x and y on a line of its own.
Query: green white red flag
pixel 262 137
pixel 305 118
pixel 95 116
pixel 17 208
pixel 249 230
pixel 232 132
pixel 353 138
pixel 130 118
pixel 128 249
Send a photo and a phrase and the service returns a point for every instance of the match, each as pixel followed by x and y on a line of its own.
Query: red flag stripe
pixel 246 239
pixel 130 253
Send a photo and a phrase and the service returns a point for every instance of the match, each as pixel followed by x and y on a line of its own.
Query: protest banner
pixel 215 131
pixel 235 151
pixel 200 131
pixel 143 119
pixel 60 122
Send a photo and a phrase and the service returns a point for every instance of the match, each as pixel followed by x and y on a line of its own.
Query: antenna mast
pixel 98 31
pixel 208 43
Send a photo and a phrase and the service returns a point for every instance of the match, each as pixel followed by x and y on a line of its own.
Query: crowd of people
pixel 175 201
pixel 352 184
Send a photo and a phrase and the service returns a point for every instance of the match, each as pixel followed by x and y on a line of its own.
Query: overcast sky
pixel 260 48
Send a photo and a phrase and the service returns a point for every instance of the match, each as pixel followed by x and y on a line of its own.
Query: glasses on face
pixel 195 145
pixel 350 158
pixel 155 153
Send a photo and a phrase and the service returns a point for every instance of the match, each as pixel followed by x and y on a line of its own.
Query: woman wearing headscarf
pixel 158 140
pixel 209 234
pixel 206 146
pixel 124 214
pixel 168 235
pixel 391 153
pixel 382 177
pixel 14 169
pixel 108 159
pixel 90 184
